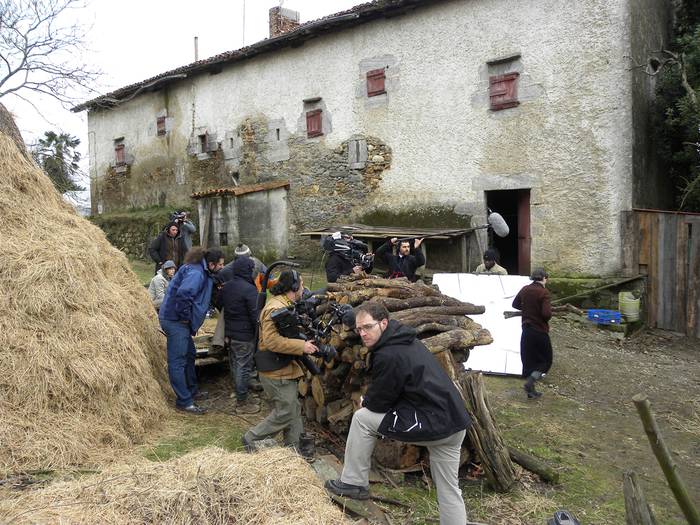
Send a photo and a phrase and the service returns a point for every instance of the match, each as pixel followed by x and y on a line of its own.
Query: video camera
pixel 349 249
pixel 178 216
pixel 301 322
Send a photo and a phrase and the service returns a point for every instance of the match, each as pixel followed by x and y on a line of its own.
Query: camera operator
pixel 403 264
pixel 279 370
pixel 186 226
pixel 340 260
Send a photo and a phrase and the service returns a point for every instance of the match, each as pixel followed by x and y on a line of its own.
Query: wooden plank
pixel 652 232
pixel 667 277
pixel 644 238
pixel 630 244
pixel 681 281
pixel 693 304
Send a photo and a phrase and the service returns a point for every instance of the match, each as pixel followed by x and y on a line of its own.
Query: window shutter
pixel 160 126
pixel 314 123
pixel 212 144
pixel 503 91
pixel 119 155
pixel 375 82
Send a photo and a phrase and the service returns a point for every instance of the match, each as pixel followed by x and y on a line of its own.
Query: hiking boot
pixel 201 396
pixel 193 409
pixel 307 447
pixel 531 392
pixel 337 487
pixel 247 407
pixel 247 444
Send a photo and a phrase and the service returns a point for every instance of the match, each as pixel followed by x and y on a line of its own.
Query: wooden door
pixel 524 239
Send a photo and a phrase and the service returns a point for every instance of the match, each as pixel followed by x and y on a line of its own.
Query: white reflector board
pixel 496 294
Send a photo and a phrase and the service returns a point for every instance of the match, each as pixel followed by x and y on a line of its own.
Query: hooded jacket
pixel 400 265
pixel 409 385
pixel 239 298
pixel 164 247
pixel 188 296
pixel 157 288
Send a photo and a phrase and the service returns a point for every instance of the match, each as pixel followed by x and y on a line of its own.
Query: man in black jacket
pixel 168 246
pixel 412 399
pixel 239 298
pixel 403 264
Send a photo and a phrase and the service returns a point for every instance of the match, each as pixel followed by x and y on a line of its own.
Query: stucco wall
pixel 570 140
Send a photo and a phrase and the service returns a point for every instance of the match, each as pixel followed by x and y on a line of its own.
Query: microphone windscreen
pixel 498 224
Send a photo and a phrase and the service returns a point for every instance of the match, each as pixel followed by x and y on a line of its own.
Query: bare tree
pixel 40 46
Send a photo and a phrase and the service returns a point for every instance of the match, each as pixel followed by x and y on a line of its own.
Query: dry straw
pixel 81 359
pixel 209 486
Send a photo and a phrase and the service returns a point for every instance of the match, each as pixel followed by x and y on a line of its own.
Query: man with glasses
pixel 410 398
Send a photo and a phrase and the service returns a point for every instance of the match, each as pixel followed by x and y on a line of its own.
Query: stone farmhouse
pixel 415 113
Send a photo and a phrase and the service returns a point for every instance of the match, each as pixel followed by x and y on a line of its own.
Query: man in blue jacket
pixel 184 308
pixel 411 399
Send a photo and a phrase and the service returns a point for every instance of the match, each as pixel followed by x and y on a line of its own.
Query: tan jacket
pixel 495 270
pixel 271 340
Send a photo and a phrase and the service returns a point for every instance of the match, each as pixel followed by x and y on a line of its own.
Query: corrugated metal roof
pixel 358 14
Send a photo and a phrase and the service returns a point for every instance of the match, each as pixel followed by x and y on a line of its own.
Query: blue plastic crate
pixel 605 316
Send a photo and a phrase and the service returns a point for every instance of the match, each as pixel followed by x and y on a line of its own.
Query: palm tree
pixel 56 155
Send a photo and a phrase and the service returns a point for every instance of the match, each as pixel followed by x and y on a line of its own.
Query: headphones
pixel 296 281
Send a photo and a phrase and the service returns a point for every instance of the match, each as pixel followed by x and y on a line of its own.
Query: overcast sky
pixel 132 40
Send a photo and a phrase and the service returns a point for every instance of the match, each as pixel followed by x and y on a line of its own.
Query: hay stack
pixel 210 486
pixel 81 358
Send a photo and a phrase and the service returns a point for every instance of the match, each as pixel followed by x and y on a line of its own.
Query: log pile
pixel 442 324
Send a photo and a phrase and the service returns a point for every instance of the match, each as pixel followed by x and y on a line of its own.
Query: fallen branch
pixel 637 511
pixel 663 456
pixel 533 464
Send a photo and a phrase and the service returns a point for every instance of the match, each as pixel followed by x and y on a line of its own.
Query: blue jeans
pixel 240 361
pixel 181 354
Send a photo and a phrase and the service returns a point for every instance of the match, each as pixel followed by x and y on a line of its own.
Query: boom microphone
pixel 498 224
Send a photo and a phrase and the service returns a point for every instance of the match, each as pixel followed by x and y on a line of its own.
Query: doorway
pixel 514 249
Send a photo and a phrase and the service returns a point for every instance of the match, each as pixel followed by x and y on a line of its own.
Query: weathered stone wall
pixel 570 141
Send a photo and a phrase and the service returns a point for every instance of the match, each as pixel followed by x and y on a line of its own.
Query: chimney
pixel 282 20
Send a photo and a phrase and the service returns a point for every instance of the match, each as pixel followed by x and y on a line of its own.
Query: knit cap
pixel 241 249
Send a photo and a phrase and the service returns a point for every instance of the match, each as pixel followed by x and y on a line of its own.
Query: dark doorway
pixel 514 249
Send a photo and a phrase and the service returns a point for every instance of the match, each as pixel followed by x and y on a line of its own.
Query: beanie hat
pixel 490 255
pixel 169 264
pixel 241 249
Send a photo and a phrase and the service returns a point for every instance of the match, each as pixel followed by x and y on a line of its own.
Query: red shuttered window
pixel 375 82
pixel 314 126
pixel 503 91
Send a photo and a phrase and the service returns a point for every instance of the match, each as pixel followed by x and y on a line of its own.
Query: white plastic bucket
pixel 629 306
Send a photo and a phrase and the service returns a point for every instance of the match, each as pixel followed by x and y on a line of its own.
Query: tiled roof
pixel 242 190
pixel 356 15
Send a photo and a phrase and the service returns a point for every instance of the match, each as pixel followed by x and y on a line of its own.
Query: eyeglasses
pixel 365 327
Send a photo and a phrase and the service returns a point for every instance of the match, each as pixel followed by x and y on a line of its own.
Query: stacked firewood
pixel 440 321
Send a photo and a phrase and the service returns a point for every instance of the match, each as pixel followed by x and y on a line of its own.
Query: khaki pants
pixel 218 337
pixel 286 412
pixel 444 463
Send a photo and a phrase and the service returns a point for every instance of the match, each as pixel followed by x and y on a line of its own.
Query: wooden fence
pixel 665 246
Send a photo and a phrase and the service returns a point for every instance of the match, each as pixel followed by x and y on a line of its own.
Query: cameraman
pixel 278 368
pixel 341 262
pixel 186 226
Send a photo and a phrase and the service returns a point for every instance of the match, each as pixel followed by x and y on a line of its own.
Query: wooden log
pixel 309 406
pixel 457 339
pixel 394 305
pixel 637 510
pixel 463 309
pixel 533 464
pixel 317 391
pixel 396 454
pixel 303 387
pixel 448 363
pixel 432 327
pixel 342 412
pixel 485 435
pixel 663 456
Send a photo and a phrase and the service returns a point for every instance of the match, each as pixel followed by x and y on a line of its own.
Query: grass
pixel 142 269
pixel 187 433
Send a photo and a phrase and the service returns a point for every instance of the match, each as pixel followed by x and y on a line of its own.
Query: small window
pixel 119 155
pixel 203 143
pixel 223 239
pixel 503 91
pixel 313 123
pixel 160 126
pixel 278 133
pixel 375 82
pixel 230 143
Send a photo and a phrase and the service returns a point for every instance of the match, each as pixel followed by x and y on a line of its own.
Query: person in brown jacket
pixel 535 345
pixel 278 369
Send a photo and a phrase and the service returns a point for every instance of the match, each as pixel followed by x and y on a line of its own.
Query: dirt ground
pixel 587 426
